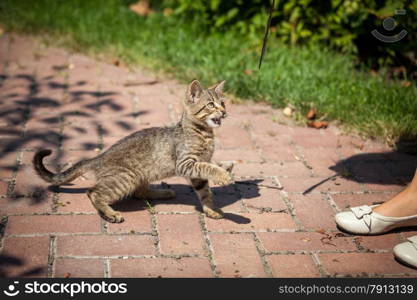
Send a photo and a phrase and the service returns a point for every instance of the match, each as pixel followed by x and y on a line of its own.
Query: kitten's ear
pixel 218 88
pixel 194 91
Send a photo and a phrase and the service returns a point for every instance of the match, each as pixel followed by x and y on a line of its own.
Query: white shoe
pixel 363 220
pixel 407 251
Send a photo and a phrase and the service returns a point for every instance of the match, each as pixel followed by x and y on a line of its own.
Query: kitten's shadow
pixel 236 218
pixel 223 196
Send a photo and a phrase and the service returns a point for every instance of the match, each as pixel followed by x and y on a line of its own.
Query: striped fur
pixel 184 149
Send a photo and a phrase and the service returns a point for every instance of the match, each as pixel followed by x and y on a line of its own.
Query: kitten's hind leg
pixel 100 201
pixel 144 192
pixel 205 196
pixel 110 189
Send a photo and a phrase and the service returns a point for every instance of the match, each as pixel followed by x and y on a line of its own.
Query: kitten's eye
pixel 222 104
pixel 210 105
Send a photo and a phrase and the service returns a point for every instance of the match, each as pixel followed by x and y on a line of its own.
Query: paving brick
pixel 73 197
pixel 191 267
pixel 111 74
pixel 259 199
pixel 383 187
pixel 27 256
pixel 20 47
pixel 319 184
pixel 234 136
pixel 185 201
pixel 53 224
pixel 110 103
pixel 78 268
pixel 81 134
pixel 39 122
pixel 292 266
pixel 314 211
pixel 151 118
pixel 403 166
pixel 323 162
pixel 237 155
pixel 313 138
pixel 235 255
pixel 274 153
pixel 407 234
pixel 379 242
pixel 345 201
pixel 305 241
pixel 286 169
pixel 227 199
pixel 36 139
pixel 354 264
pixel 270 141
pixel 8 165
pixel 135 221
pixel 105 245
pixel 251 222
pixel 26 205
pixel 176 238
pixel 119 127
pixel 4 184
pixel 29 183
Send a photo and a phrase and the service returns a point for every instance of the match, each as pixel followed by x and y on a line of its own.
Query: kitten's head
pixel 205 105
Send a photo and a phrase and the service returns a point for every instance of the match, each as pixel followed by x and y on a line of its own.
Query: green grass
pixel 373 106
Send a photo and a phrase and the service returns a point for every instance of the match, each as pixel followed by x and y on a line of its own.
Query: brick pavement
pixel 77 106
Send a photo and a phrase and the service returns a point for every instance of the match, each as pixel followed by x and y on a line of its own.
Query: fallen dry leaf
pixel 327 240
pixel 322 231
pixel 288 111
pixel 67 275
pixel 358 146
pixel 318 124
pixel 405 83
pixel 248 71
pixel 306 240
pixel 311 115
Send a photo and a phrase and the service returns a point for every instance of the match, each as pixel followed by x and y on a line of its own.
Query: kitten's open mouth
pixel 217 121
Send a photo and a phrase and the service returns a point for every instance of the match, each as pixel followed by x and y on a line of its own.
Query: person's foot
pixel 407 251
pixel 402 205
pixel 364 220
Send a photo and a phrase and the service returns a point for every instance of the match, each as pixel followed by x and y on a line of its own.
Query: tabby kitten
pixel 128 166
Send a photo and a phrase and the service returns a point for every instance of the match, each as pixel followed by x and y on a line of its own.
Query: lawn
pixel 360 100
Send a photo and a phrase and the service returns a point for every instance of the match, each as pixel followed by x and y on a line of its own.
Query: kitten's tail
pixel 56 179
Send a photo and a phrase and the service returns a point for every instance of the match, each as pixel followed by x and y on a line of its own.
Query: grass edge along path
pixel 301 76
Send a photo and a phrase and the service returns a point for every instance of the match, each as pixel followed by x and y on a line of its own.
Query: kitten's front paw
pixel 114 218
pixel 215 213
pixel 224 179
